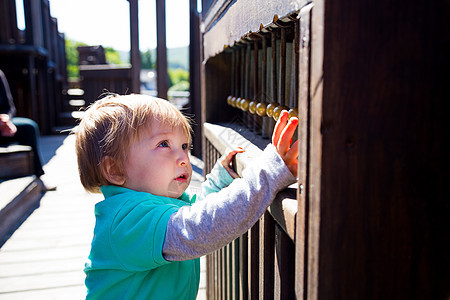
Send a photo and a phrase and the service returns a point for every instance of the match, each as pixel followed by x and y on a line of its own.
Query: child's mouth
pixel 182 178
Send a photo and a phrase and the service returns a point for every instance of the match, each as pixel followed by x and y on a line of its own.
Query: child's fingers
pixel 292 154
pixel 287 134
pixel 279 126
pixel 291 158
pixel 227 161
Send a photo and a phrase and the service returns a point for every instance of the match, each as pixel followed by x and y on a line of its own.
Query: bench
pixel 20 190
pixel 16 161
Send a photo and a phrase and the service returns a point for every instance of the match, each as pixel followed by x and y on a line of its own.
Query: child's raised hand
pixel 282 139
pixel 228 159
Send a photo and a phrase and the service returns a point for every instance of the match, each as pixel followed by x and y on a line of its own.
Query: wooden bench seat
pixel 20 190
pixel 19 198
pixel 16 161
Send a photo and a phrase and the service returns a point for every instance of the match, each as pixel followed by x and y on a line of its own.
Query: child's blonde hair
pixel 111 124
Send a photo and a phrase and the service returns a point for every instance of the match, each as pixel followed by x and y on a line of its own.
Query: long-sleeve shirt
pixel 147 246
pixel 224 214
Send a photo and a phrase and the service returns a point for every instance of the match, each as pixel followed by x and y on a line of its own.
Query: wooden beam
pixel 135 57
pixel 162 79
pixel 194 108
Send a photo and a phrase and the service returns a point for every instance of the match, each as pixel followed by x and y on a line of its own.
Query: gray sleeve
pixel 221 217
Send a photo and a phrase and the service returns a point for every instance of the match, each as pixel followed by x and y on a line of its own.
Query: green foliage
pixel 177 75
pixel 72 58
pixel 180 86
pixel 177 63
pixel 112 56
pixel 146 60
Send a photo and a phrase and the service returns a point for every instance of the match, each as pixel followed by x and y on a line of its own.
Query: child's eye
pixel 163 144
pixel 187 146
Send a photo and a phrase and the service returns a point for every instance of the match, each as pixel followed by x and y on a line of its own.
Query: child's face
pixel 158 162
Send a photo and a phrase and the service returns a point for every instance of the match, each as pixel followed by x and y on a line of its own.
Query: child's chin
pixel 175 194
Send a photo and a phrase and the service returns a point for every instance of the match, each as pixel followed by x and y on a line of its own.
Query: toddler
pixel 149 231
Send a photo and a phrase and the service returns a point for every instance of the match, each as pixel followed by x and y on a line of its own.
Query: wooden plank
pixel 266 257
pixel 314 168
pixel 234 294
pixel 303 35
pixel 16 161
pixel 11 285
pixel 284 274
pixel 241 17
pixel 135 58
pixel 284 210
pixel 40 267
pixel 195 108
pixel 162 79
pixel 383 190
pixel 14 213
pixel 243 266
pixel 253 262
pixel 74 292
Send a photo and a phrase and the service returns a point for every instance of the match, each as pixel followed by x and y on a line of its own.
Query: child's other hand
pixel 282 139
pixel 228 159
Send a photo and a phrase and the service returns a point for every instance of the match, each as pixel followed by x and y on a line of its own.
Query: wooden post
pixel 135 57
pixel 194 77
pixel 162 79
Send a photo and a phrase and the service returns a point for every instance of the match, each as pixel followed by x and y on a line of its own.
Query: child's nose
pixel 183 159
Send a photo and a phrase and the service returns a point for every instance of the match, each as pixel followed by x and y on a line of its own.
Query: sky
pixel 107 23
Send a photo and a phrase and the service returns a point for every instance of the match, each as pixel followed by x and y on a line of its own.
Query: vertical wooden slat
pixel 253 262
pixel 282 74
pixel 194 75
pixel 229 248
pixel 247 81
pixel 243 266
pixel 264 87
pixel 266 257
pixel 162 79
pixel 274 66
pixel 221 283
pixel 284 265
pixel 313 187
pixel 257 121
pixel 216 275
pixel 303 58
pixel 135 57
pixel 227 259
pixel 209 281
pixel 8 23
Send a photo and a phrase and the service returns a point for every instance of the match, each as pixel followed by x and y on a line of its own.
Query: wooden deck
pixel 44 258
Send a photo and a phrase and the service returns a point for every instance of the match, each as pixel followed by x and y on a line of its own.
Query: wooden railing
pixel 34 61
pixel 96 79
pixel 261 263
pixel 372 199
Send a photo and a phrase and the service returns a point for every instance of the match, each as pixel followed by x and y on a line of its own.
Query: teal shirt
pixel 126 260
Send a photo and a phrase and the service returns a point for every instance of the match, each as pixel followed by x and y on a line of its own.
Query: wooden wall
pixel 371 213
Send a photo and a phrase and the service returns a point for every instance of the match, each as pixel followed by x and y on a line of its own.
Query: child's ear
pixel 111 171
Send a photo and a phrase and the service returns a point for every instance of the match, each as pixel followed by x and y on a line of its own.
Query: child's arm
pixel 208 225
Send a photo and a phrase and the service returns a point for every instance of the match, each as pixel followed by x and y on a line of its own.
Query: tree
pixel 112 57
pixel 72 58
pixel 146 60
